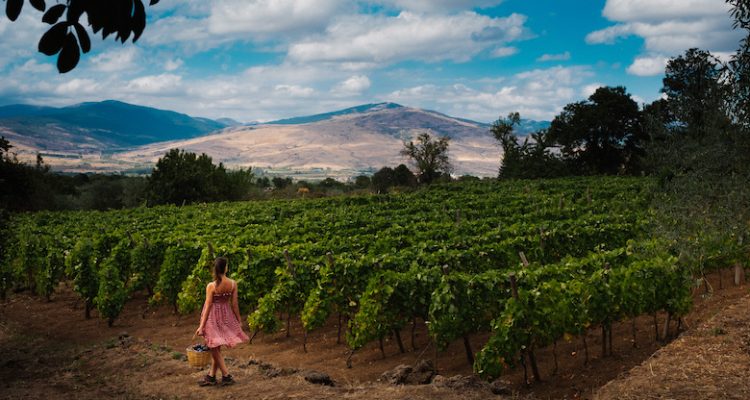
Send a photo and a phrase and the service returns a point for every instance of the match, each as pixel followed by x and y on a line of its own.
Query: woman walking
pixel 220 322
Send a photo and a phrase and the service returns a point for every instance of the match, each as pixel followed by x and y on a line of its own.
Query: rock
pixel 398 375
pixel 318 378
pixel 500 387
pixel 459 382
pixel 420 374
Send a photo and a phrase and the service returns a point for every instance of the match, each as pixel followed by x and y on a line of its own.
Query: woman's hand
pixel 200 332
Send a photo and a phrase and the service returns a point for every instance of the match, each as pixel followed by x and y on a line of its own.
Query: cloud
pixel 440 5
pixel 294 90
pixel 352 86
pixel 117 59
pixel 173 64
pixel 408 36
pixel 263 17
pixel 504 52
pixel 668 28
pixel 537 94
pixel 648 66
pixel 590 89
pixel 554 57
pixel 164 84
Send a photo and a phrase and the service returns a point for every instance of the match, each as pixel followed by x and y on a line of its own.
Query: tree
pixel 601 135
pixel 181 177
pixel 696 90
pixel 402 176
pixel 429 156
pixel 740 64
pixel 362 182
pixel 68 38
pixel 531 159
pixel 383 179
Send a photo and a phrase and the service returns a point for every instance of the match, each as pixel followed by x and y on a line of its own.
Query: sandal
pixel 227 380
pixel 208 380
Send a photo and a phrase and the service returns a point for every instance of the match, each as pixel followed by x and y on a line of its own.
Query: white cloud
pixel 554 57
pixel 590 89
pixel 538 94
pixel 648 66
pixel 294 90
pixel 32 66
pixel 409 36
pixel 668 28
pixel 117 59
pixel 434 5
pixel 659 10
pixel 352 86
pixel 173 64
pixel 163 84
pixel 77 87
pixel 504 52
pixel 271 16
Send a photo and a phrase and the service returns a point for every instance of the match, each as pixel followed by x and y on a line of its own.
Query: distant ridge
pixel 103 126
pixel 347 111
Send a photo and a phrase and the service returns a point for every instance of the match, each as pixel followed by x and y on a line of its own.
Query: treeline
pixel 179 177
pixel 702 118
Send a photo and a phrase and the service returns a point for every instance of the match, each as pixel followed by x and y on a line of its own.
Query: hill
pixel 97 127
pixel 342 143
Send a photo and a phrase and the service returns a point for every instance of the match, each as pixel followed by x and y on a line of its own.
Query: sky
pixel 260 60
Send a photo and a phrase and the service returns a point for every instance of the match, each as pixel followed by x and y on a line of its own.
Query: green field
pixel 445 255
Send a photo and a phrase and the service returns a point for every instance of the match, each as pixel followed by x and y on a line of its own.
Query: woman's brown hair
pixel 220 268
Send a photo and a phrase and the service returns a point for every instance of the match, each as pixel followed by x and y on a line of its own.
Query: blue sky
pixel 258 60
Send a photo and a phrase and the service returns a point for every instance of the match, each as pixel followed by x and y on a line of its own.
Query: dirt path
pixel 709 362
pixel 48 351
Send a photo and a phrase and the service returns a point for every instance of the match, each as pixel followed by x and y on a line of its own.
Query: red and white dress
pixel 222 327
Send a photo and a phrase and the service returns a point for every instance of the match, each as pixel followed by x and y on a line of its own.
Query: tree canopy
pixel 67 37
pixel 600 135
pixel 430 157
pixel 182 177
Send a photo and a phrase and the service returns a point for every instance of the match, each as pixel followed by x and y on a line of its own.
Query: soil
pixel 48 351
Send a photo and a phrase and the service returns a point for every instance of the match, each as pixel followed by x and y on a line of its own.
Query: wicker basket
pixel 197 359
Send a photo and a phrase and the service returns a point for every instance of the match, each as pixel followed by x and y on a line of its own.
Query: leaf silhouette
pixel 139 19
pixel 83 37
pixel 70 54
pixel 52 41
pixel 38 4
pixel 53 14
pixel 13 9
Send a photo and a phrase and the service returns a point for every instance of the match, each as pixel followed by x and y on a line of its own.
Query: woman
pixel 220 322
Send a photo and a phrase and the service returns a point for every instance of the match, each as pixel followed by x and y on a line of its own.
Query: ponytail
pixel 220 268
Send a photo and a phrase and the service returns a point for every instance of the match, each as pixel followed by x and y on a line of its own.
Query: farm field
pixel 51 351
pixel 490 279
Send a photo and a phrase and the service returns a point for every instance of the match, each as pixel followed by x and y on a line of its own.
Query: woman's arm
pixel 235 303
pixel 206 308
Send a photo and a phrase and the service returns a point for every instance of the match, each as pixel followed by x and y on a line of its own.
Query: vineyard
pixel 529 262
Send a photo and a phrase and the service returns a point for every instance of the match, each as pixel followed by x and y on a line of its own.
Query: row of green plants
pixel 443 256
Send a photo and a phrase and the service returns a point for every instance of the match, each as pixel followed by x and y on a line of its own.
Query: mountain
pixel 101 126
pixel 341 143
pixel 117 137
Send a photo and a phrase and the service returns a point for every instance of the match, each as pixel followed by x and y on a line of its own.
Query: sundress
pixel 222 327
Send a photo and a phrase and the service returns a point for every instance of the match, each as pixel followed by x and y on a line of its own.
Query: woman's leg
pixel 214 361
pixel 219 361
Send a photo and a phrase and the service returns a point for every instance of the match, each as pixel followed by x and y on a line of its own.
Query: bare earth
pixel 49 351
